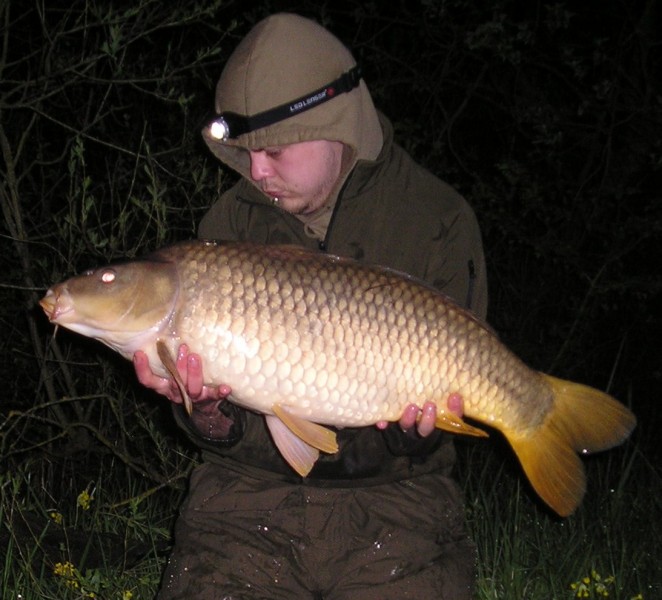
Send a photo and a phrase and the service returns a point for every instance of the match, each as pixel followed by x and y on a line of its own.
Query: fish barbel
pixel 312 340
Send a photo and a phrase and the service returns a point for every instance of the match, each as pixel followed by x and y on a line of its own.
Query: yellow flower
pixel 68 572
pixel 56 517
pixel 593 586
pixel 580 589
pixel 65 569
pixel 127 595
pixel 85 499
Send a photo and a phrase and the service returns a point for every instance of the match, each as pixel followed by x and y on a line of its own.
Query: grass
pixel 95 543
pixel 606 549
pixel 110 538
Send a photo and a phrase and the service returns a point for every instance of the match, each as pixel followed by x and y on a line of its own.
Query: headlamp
pixel 230 125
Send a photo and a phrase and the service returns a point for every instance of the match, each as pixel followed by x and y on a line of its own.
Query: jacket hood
pixel 285 57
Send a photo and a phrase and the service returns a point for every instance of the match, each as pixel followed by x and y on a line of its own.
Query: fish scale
pixel 312 340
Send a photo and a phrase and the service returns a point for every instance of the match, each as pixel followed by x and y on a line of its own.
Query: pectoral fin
pixel 315 435
pixel 298 454
pixel 169 363
pixel 451 422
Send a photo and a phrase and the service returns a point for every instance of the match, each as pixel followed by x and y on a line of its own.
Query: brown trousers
pixel 243 538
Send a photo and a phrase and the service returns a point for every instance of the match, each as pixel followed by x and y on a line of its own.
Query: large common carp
pixel 311 340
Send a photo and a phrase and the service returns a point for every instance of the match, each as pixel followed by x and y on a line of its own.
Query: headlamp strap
pixel 240 124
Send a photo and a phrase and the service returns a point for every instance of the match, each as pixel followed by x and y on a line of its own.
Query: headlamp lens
pixel 219 129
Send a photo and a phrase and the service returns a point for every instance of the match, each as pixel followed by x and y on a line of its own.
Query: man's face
pixel 300 175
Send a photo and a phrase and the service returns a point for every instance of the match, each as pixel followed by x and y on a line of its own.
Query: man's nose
pixel 260 165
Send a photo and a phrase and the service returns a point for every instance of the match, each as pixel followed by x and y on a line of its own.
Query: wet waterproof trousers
pixel 238 537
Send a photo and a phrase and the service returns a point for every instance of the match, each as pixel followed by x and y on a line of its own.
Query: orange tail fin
pixel 582 420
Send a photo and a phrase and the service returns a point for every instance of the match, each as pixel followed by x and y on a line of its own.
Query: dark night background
pixel 546 116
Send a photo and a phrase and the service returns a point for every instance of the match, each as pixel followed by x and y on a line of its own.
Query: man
pixel 381 518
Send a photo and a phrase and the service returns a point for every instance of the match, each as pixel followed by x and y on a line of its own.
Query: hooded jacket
pixel 386 209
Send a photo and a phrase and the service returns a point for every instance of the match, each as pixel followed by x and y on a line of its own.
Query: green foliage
pixel 99 117
pixel 100 108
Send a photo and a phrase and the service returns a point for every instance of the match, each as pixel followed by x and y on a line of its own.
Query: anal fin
pixel 451 422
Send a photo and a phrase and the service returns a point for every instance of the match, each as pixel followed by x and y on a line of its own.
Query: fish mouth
pixel 53 306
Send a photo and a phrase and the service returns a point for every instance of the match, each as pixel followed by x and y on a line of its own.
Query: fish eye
pixel 108 276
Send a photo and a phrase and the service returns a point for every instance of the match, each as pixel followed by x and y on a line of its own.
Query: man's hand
pixel 425 425
pixel 206 416
pixel 189 367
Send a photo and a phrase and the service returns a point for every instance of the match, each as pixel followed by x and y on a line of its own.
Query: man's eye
pixel 273 152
